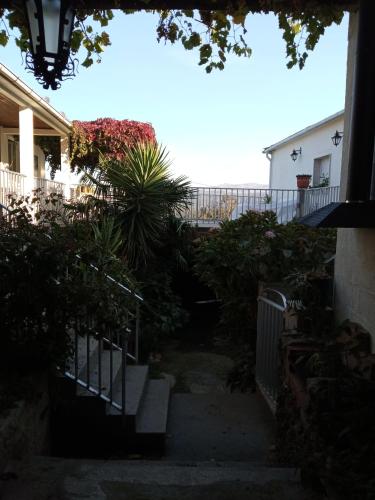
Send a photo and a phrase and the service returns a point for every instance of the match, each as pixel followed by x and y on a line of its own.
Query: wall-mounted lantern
pixel 295 153
pixel 50 24
pixel 336 139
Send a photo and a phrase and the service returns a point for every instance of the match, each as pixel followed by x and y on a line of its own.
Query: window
pixel 322 168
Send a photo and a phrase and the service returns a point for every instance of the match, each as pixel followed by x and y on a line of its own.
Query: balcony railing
pixel 315 198
pixel 11 183
pixel 208 206
pixel 211 205
pixel 48 186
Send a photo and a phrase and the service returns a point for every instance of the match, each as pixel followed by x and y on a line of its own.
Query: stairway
pixel 88 421
pixel 46 478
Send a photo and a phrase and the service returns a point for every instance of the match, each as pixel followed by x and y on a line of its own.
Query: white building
pixel 316 155
pixel 24 115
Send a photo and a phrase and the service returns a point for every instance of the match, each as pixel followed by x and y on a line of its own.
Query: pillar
pixel 26 128
pixel 65 164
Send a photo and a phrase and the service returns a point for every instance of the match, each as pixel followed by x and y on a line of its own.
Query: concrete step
pixel 81 355
pixel 153 415
pixel 136 379
pixel 106 372
pixel 50 478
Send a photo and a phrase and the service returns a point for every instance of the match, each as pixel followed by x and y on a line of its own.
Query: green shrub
pixel 49 287
pixel 255 248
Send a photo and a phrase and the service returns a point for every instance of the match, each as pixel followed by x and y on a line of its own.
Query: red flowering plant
pixel 107 137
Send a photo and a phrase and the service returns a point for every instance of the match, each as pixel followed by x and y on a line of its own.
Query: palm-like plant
pixel 144 195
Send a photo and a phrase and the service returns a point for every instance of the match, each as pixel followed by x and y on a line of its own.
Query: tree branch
pixel 224 5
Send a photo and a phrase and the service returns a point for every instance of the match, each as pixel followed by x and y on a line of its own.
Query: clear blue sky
pixel 215 126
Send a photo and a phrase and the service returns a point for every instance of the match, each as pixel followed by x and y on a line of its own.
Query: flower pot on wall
pixel 303 181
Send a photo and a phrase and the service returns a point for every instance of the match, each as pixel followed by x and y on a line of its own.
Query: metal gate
pixel 272 305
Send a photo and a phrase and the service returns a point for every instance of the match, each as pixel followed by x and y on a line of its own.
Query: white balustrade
pixel 11 183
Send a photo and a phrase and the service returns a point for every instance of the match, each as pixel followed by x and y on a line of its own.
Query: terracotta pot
pixel 303 181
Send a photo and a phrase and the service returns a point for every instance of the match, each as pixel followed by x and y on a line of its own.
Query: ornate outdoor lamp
pixel 336 139
pixel 295 153
pixel 50 24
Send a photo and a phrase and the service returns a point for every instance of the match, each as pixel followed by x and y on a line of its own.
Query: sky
pixel 216 125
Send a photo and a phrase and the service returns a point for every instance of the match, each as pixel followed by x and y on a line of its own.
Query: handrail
pixel 5 208
pixel 109 277
pixel 282 307
pixel 91 380
pixel 81 353
pixel 270 324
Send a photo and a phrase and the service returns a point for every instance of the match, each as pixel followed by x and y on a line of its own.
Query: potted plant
pixel 303 181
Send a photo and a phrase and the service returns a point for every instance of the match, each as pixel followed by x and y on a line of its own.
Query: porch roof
pixel 15 94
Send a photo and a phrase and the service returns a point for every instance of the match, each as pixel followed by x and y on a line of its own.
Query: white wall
pixel 315 144
pixel 355 253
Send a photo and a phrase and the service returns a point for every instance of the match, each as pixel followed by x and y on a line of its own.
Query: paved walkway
pixel 208 422
pixel 63 479
pixel 217 426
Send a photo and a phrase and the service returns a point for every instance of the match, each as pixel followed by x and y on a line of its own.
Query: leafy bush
pixel 46 290
pixel 233 260
pixel 331 436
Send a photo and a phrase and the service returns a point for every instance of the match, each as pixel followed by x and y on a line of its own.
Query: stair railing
pixel 102 375
pixel 113 346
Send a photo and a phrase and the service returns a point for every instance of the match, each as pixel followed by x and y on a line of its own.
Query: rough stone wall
pixel 355 257
pixel 24 429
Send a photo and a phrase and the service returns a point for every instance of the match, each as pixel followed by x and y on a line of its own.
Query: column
pixel 65 165
pixel 26 127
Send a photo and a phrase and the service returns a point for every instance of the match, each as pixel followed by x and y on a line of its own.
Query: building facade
pixel 24 115
pixel 315 155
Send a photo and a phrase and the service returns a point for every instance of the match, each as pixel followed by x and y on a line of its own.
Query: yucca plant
pixel 107 238
pixel 144 196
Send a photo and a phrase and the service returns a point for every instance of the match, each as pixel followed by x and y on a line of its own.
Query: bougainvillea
pixel 108 137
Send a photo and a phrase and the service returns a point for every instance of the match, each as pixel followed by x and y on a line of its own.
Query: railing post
pixel 137 324
pixel 124 350
pixel 301 202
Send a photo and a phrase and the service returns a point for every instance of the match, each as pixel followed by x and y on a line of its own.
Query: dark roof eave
pixel 252 5
pixel 349 214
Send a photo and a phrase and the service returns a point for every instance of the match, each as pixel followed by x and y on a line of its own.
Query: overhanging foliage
pixel 214 28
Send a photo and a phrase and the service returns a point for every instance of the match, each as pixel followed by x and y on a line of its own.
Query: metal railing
pixel 314 198
pixel 272 305
pixel 208 206
pixel 11 183
pixel 98 363
pixel 99 376
pixel 48 186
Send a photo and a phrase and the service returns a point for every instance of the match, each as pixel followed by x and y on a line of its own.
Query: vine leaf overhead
pixel 214 29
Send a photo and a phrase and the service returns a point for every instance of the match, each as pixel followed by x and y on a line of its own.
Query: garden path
pixel 207 421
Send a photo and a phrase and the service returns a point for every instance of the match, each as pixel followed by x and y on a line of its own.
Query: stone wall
pixel 24 429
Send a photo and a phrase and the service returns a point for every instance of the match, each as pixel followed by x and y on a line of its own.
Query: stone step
pixel 44 478
pixel 136 379
pixel 106 372
pixel 81 355
pixel 153 415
